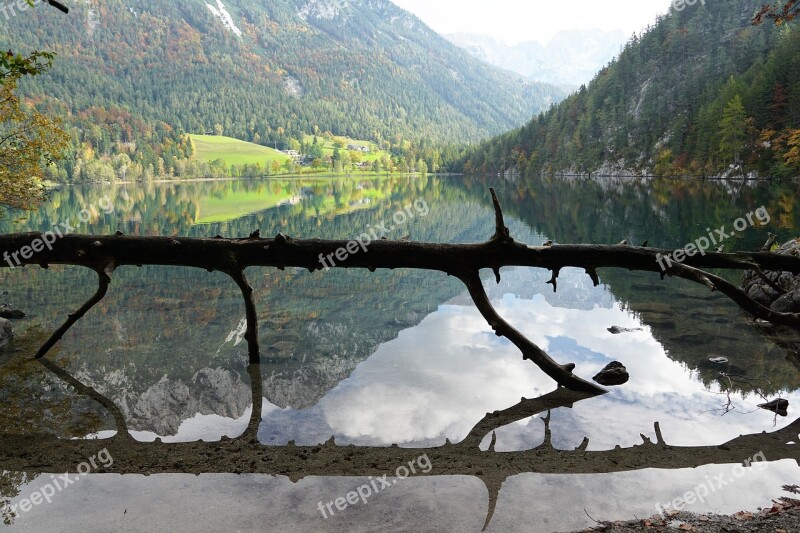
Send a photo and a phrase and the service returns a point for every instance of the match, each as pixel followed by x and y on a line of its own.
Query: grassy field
pixel 234 151
pixel 233 204
pixel 237 204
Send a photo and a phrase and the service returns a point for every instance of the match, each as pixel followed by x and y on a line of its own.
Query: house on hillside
pixel 357 148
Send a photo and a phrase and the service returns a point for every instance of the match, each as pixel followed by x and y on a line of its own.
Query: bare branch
pixel 501 233
pixel 103 281
pixel 716 283
pixel 561 373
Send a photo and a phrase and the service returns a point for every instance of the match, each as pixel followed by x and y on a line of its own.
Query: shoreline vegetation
pixel 368 175
pixel 206 156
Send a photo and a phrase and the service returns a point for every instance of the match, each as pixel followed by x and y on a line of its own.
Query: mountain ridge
pixel 569 59
pixel 264 71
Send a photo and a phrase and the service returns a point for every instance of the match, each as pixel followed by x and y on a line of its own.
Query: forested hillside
pixel 134 76
pixel 702 91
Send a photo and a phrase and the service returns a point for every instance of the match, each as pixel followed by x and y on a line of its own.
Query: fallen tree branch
pixel 282 252
pixel 58 5
pixel 105 253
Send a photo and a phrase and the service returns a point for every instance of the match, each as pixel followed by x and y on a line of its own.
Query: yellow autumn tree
pixel 792 156
pixel 29 140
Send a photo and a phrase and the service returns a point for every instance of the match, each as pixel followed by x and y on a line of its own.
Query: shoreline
pixel 54 185
pixel 782 517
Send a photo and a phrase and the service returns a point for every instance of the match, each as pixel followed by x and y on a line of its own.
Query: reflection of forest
pixel 692 324
pixel 163 344
pixel 229 207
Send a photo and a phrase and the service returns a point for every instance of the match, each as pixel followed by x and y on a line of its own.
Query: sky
pixel 515 21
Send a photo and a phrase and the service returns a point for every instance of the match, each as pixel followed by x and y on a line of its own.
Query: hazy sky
pixel 516 21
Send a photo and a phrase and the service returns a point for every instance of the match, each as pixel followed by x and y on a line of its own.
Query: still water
pixel 394 357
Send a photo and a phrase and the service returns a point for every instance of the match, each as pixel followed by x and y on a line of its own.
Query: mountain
pixel 265 71
pixel 703 92
pixel 570 59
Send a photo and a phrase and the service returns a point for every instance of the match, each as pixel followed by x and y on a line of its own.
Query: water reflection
pixel 392 358
pixel 124 455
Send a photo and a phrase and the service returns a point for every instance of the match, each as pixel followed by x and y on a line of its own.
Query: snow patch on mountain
pixel 221 12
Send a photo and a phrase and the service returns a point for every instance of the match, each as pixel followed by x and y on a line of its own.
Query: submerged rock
pixel 778 405
pixel 614 373
pixel 6 311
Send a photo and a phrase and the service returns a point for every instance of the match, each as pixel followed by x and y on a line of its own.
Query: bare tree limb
pixel 561 373
pixel 58 5
pixel 464 261
pixel 103 281
pixel 501 233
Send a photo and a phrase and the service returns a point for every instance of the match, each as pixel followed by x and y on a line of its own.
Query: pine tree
pixel 732 131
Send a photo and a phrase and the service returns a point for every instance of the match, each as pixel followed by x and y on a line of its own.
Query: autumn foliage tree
pixel 29 140
pixel 777 13
pixel 792 156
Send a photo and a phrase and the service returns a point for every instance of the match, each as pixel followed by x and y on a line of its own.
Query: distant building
pixel 357 148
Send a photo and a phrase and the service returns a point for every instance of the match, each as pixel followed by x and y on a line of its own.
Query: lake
pixel 395 357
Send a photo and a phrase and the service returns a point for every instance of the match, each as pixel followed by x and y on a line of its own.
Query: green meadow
pixel 230 203
pixel 237 204
pixel 233 151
